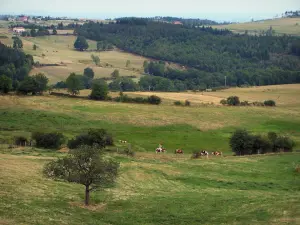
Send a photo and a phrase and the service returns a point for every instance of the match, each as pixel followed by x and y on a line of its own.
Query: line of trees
pixel 244 143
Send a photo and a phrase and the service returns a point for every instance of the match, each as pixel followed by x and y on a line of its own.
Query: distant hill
pixel 290 26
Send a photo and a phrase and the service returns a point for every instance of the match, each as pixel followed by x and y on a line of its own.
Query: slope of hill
pixel 214 54
pixel 289 26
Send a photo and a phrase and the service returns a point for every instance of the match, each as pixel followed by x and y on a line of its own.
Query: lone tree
pixel 99 90
pixel 5 84
pixel 128 63
pixel 81 43
pixel 54 32
pixel 88 72
pixel 85 165
pixel 17 42
pixel 74 84
pixel 96 59
pixel 34 47
pixel 115 74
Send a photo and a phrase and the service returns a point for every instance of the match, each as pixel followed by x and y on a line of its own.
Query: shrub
pixel 258 104
pixel 48 140
pixel 270 103
pixel 233 100
pixel 93 136
pixel 241 142
pixel 178 103
pixel 20 140
pixel 187 103
pixel 223 102
pixel 155 100
pixel 284 143
pixel 245 103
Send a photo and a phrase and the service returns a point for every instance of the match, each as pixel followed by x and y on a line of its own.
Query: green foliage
pixel 17 42
pixel 241 142
pixel 41 81
pixel 94 136
pixel 104 46
pixel 295 48
pixel 60 84
pixel 85 165
pixel 128 63
pixel 270 103
pixel 5 84
pixel 88 72
pixel 233 100
pixel 95 59
pixel 223 102
pixel 283 143
pixel 52 140
pixel 27 86
pixel 81 43
pixel 115 74
pixel 74 84
pixel 208 53
pixel 34 47
pixel 154 100
pixel 33 32
pixel 99 90
pixel 178 103
pixel 20 140
pixel 123 84
pixel 54 31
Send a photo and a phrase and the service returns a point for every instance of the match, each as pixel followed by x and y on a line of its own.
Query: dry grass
pixel 281 26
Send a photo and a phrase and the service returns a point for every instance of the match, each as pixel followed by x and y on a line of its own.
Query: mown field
pixel 154 189
pixel 201 126
pixel 280 26
pixel 59 50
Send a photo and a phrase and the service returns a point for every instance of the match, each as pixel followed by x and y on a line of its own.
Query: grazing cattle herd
pixel 161 149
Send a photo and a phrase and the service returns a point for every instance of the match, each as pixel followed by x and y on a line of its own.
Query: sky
pixel 220 10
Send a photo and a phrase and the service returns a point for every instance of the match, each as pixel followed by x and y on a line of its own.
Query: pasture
pixel 201 126
pixel 280 26
pixel 59 50
pixel 155 189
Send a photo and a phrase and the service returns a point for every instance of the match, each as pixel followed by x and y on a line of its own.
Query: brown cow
pixel 178 151
pixel 217 153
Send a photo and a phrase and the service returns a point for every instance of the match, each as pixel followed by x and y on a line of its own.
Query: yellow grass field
pixel 280 26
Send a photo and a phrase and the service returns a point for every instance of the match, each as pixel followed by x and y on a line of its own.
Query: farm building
pixel 23 18
pixel 177 23
pixel 19 30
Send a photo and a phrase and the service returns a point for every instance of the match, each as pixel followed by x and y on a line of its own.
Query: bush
pixel 223 102
pixel 178 103
pixel 258 104
pixel 241 142
pixel 233 100
pixel 155 100
pixel 187 103
pixel 245 103
pixel 270 103
pixel 285 144
pixel 93 136
pixel 48 140
pixel 20 140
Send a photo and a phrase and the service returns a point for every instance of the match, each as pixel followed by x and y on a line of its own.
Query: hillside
pixel 210 54
pixel 289 26
pixel 201 126
pixel 155 190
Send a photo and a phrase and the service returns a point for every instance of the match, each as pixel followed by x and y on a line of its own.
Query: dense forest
pixel 14 63
pixel 207 54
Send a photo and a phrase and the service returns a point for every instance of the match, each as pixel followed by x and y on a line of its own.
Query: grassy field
pixel 280 26
pixel 200 126
pixel 154 189
pixel 59 50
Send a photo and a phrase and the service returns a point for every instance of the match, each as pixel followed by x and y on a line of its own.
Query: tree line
pixel 209 54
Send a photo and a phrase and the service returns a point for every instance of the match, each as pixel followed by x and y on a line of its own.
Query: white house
pixel 18 30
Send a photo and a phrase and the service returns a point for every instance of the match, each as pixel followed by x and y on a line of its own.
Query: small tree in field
pixel 96 59
pixel 81 43
pixel 115 74
pixel 34 47
pixel 88 72
pixel 99 90
pixel 241 142
pixel 74 84
pixel 85 165
pixel 128 63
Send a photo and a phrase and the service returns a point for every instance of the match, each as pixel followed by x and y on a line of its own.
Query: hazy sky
pixel 218 9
